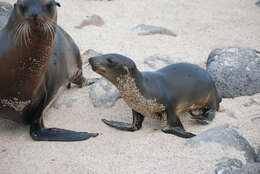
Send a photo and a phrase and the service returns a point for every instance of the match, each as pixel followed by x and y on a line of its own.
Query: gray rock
pixel 236 71
pixel 226 136
pixel 65 100
pixel 5 11
pixel 234 166
pixel 258 3
pixel 257 159
pixel 255 119
pixel 249 168
pixel 226 166
pixel 150 30
pixel 158 61
pixel 104 94
pixel 91 20
pixel 256 100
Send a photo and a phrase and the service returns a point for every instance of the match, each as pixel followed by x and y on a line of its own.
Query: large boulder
pixel 226 136
pixel 235 166
pixel 235 70
pixel 258 3
pixel 5 10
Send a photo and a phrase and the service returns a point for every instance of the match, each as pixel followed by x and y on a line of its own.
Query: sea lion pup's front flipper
pixel 39 132
pixel 136 125
pixel 173 124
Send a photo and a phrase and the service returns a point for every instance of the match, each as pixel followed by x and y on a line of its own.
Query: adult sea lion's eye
pixel 49 6
pixel 22 8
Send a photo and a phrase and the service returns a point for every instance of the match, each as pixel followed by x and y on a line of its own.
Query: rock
pixel 258 3
pixel 257 159
pixel 150 30
pixel 65 100
pixel 249 168
pixel 235 71
pixel 256 100
pixel 226 166
pixel 5 11
pixel 226 136
pixel 87 54
pixel 91 20
pixel 255 119
pixel 104 94
pixel 157 61
pixel 234 166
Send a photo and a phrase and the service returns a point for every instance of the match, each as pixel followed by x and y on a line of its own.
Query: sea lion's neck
pixel 132 91
pixel 30 58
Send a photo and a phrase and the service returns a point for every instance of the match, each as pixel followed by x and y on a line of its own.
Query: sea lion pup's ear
pixel 58 4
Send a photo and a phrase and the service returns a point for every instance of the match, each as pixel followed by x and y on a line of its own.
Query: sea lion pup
pixel 37 59
pixel 162 94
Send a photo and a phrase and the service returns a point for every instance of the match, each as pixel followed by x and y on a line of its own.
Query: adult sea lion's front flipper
pixel 136 125
pixel 39 132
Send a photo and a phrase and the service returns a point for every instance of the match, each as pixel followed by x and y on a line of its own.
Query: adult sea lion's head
pixel 33 16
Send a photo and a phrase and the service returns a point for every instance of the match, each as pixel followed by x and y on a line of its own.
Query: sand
pixel 200 25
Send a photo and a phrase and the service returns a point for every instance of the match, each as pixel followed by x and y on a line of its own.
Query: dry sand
pixel 201 25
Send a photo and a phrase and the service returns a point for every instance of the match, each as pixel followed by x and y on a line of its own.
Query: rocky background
pixel 221 36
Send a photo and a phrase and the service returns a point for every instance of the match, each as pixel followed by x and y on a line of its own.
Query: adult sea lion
pixel 37 59
pixel 162 94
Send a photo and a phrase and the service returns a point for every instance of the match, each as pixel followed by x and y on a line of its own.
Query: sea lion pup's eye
pixel 110 62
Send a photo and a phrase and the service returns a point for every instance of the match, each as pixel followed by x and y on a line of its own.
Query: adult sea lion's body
pixel 162 94
pixel 37 60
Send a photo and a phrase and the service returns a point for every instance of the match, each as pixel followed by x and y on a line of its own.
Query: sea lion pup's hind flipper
pixel 174 125
pixel 136 125
pixel 206 117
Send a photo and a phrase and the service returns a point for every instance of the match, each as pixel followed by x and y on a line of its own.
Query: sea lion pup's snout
pixel 112 66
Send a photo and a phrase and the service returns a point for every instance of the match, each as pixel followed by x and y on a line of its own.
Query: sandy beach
pixel 200 26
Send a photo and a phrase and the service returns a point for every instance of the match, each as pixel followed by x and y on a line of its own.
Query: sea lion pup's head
pixel 114 66
pixel 33 16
